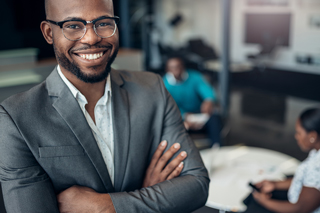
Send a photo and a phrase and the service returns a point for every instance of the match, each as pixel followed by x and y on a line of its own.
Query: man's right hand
pixel 158 171
pixel 81 199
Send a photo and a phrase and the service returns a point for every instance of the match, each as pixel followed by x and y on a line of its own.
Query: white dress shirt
pixel 173 81
pixel 103 129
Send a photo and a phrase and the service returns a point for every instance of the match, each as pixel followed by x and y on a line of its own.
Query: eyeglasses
pixel 75 29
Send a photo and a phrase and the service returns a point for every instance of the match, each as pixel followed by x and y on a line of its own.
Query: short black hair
pixel 310 120
pixel 179 57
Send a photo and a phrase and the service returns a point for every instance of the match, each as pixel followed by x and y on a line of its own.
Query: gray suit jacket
pixel 46 146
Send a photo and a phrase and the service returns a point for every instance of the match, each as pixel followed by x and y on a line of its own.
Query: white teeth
pixel 91 56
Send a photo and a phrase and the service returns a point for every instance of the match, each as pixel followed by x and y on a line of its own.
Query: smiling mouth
pixel 91 56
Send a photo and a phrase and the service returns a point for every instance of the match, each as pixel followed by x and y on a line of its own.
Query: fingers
pixel 176 172
pixel 265 186
pixel 256 196
pixel 261 184
pixel 261 197
pixel 173 166
pixel 157 155
pixel 164 159
pixel 159 169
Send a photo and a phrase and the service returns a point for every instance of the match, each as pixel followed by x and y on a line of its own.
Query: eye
pixel 73 26
pixel 105 23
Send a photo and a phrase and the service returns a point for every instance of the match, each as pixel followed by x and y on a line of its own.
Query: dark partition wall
pixel 20 20
pixel 20 25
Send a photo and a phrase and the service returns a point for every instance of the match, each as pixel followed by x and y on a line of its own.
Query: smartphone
pixel 254 187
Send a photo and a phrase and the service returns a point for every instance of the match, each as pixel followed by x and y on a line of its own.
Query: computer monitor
pixel 268 29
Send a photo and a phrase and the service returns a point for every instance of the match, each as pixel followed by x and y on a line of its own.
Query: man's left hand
pixel 80 199
pixel 158 171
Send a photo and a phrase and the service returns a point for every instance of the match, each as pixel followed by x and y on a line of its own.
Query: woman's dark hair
pixel 310 120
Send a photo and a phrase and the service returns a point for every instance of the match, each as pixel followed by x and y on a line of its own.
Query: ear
pixel 314 135
pixel 46 31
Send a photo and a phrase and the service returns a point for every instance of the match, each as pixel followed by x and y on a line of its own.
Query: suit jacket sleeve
pixel 26 186
pixel 185 193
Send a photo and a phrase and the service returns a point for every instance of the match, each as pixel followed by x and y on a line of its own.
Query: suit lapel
pixel 69 109
pixel 121 126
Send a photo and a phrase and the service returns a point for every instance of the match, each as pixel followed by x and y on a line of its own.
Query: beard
pixel 73 67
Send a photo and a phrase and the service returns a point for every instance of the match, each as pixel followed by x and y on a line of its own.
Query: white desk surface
pixel 231 168
pixel 216 66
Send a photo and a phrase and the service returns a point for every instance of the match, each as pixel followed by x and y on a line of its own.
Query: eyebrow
pixel 78 18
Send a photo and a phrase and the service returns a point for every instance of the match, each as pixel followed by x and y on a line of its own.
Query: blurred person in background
pixel 304 188
pixel 195 98
pixel 88 138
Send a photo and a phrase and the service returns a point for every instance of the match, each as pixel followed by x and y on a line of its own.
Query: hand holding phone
pixel 254 187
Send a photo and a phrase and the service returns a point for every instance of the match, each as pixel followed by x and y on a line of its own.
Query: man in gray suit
pixel 87 139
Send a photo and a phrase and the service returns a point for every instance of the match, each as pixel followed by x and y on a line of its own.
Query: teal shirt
pixel 190 93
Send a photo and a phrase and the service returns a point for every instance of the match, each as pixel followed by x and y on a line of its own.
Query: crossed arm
pixel 83 199
pixel 28 188
pixel 33 190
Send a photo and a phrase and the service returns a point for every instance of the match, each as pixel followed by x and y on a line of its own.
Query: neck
pixel 317 145
pixel 92 91
pixel 179 78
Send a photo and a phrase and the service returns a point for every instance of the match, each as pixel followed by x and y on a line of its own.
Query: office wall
pixel 304 39
pixel 200 19
pixel 203 19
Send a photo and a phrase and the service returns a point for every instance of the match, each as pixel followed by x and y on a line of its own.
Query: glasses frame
pixel 61 23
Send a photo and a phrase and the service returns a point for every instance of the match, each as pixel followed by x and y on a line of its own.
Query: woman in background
pixel 304 187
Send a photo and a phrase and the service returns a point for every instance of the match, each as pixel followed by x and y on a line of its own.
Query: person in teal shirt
pixel 194 96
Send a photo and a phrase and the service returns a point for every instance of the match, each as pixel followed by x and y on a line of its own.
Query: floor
pixel 259 116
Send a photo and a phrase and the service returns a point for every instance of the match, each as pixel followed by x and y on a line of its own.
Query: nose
pixel 90 37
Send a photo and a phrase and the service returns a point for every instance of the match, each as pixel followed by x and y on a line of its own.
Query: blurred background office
pixel 262 56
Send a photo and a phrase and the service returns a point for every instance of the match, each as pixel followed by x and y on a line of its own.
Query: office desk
pixel 231 168
pixel 235 67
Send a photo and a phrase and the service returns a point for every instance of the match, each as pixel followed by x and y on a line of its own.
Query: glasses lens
pixel 73 30
pixel 105 27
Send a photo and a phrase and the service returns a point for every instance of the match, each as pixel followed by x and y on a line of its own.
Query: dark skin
pixel 309 198
pixel 158 171
pixel 82 199
pixel 59 11
pixel 176 67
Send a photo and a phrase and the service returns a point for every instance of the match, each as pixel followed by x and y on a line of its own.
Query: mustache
pixel 88 47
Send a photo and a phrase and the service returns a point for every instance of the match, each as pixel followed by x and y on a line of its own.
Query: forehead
pixel 174 61
pixel 85 9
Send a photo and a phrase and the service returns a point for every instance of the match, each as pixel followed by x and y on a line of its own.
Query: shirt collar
pixel 78 95
pixel 173 81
